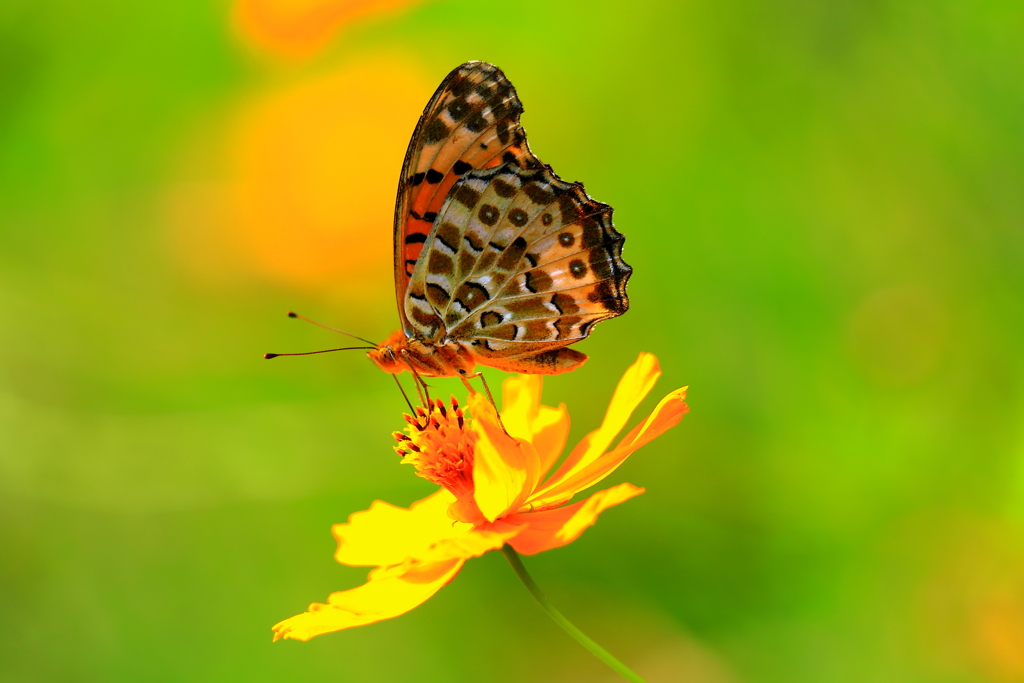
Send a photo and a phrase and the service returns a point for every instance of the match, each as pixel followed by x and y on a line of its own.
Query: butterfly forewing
pixel 471 122
pixel 519 263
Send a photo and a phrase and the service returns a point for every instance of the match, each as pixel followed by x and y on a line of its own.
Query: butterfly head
pixel 388 354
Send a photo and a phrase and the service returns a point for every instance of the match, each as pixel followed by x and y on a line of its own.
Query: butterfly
pixel 498 261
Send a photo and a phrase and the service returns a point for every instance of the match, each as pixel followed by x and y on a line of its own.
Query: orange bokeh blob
pixel 313 173
pixel 299 28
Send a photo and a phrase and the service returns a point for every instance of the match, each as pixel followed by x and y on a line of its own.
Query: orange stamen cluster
pixel 439 446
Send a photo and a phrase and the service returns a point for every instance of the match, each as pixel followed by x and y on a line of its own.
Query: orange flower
pixel 494 492
pixel 299 29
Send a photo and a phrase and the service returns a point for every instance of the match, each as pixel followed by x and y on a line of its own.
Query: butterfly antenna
pixel 268 356
pixel 293 314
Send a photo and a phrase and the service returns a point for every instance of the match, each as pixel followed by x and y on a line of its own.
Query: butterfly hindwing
pixel 519 263
pixel 471 122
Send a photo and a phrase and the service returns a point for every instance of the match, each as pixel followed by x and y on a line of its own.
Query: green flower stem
pixel 517 565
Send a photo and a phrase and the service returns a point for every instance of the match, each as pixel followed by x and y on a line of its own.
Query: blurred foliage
pixel 823 208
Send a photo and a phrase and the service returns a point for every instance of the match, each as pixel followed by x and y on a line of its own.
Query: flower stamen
pixel 439 445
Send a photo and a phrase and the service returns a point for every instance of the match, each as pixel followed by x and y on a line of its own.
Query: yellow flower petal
pixel 525 418
pixel 666 415
pixel 505 470
pixel 387 535
pixel 383 596
pixel 550 431
pixel 554 528
pixel 465 509
pixel 520 401
pixel 636 383
pixel 473 543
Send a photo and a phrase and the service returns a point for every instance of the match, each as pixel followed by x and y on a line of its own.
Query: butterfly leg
pixel 465 377
pixel 412 411
pixel 421 386
pixel 423 389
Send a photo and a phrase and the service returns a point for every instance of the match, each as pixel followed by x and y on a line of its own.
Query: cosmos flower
pixel 494 490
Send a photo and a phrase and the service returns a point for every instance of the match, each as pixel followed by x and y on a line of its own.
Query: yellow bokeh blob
pixel 314 168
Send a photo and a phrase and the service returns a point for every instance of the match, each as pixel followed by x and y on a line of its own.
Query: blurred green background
pixel 824 211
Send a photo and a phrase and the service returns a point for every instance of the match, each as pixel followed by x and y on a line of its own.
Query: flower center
pixel 440 447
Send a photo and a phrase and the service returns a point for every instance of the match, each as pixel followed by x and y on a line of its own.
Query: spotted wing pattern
pixel 519 264
pixel 471 122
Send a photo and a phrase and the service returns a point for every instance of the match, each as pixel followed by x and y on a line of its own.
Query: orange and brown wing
pixel 471 122
pixel 519 264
